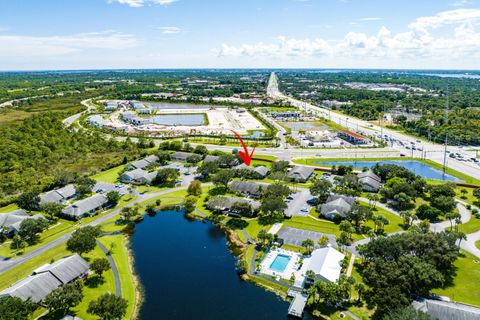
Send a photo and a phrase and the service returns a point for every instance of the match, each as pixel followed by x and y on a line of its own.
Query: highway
pixel 398 141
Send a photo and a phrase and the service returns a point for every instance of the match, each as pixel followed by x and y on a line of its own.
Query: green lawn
pixel 395 222
pixel 477 244
pixel 9 208
pixel 308 223
pixel 254 228
pixel 473 225
pixel 465 288
pixel 110 175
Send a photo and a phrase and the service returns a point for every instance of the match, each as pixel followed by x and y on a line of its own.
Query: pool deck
pixel 290 269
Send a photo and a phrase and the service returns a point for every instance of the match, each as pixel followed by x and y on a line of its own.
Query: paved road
pixel 7 265
pixel 118 288
pixel 433 151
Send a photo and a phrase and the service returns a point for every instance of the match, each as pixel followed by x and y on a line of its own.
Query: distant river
pixel 188 273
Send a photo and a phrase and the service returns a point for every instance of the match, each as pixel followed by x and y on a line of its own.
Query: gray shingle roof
pixel 105 187
pixel 370 175
pixel 300 173
pixel 225 202
pixel 373 183
pixel 12 220
pixel 181 156
pixel 47 278
pixel 443 310
pixel 35 287
pixel 337 205
pixel 85 206
pixel 262 171
pixel 210 158
pixel 245 186
pixel 66 269
pixel 58 195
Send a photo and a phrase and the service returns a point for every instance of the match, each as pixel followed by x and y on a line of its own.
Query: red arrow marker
pixel 247 157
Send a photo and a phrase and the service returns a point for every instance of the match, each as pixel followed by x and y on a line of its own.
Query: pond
pixel 179 119
pixel 417 167
pixel 187 272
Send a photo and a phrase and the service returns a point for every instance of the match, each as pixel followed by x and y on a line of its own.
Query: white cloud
pixel 415 43
pixel 169 30
pixel 371 19
pixel 141 3
pixel 33 46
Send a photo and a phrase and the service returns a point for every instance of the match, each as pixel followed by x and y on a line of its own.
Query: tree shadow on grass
pixel 95 281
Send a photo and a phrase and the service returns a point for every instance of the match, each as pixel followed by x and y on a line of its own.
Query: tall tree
pixel 64 298
pixel 29 201
pixel 108 307
pixel 83 240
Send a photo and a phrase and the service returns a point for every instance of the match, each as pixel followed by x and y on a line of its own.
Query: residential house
pixel 138 176
pixel 61 195
pixel 181 156
pixel 143 163
pixel 370 181
pixel 445 310
pixel 48 278
pixel 210 158
pixel 261 171
pixel 326 264
pixel 337 206
pixel 246 188
pixel 85 206
pixel 11 221
pixel 111 105
pixel 300 173
pixel 225 204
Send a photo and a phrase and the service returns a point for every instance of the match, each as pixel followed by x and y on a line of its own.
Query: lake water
pixel 188 273
pixel 419 168
pixel 179 119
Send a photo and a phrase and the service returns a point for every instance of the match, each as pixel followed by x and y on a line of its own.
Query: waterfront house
pixel 225 204
pixel 84 207
pixel 48 278
pixel 61 195
pixel 336 206
pixel 300 173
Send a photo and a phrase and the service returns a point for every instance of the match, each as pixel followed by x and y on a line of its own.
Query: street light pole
pixel 446 136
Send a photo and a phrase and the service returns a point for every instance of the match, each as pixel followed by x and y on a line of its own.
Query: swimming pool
pixel 280 263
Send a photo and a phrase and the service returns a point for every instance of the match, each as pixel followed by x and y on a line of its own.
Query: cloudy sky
pixel 92 34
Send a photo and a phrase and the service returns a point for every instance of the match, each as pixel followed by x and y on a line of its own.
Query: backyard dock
pixel 298 303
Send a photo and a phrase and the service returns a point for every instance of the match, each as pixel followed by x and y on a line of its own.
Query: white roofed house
pixel 48 278
pixel 370 181
pixel 61 195
pixel 85 207
pixel 300 173
pixel 326 264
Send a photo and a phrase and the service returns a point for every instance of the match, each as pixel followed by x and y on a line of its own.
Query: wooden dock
pixel 298 303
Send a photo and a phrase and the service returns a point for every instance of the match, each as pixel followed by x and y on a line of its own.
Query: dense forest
pixel 39 151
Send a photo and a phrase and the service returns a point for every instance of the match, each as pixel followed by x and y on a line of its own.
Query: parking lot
pixel 297 205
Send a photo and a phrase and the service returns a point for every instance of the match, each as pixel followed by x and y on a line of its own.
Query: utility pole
pixel 446 136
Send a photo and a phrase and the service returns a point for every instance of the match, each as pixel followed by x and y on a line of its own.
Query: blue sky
pixel 90 34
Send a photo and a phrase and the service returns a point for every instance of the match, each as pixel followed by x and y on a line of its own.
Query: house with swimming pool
pixel 284 264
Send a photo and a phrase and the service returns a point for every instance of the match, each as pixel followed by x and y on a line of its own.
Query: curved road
pixel 118 288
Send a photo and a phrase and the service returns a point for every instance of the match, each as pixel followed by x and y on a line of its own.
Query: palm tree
pixel 308 244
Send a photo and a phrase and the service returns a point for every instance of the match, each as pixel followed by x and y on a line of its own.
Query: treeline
pixel 39 151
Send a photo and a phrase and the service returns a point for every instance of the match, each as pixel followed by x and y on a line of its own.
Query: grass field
pixel 465 288
pixel 110 175
pixel 477 244
pixel 9 208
